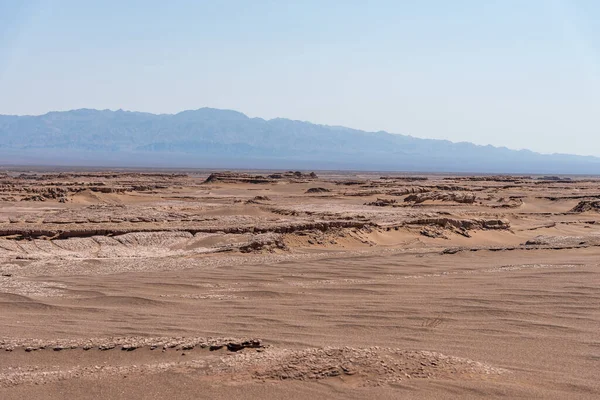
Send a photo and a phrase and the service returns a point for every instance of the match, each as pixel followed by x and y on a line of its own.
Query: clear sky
pixel 515 73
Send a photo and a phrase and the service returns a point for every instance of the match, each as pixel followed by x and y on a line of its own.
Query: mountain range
pixel 212 138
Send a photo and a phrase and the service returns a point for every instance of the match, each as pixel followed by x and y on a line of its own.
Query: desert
pixel 145 284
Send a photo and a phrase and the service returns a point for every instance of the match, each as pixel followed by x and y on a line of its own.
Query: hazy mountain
pixel 221 138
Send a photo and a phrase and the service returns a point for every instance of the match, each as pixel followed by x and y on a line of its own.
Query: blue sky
pixel 521 74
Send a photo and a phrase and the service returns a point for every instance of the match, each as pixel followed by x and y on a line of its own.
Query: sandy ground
pixel 160 285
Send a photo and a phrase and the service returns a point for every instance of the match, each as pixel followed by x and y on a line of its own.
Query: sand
pixel 158 285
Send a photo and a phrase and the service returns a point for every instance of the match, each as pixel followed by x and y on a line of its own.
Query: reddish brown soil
pixel 288 285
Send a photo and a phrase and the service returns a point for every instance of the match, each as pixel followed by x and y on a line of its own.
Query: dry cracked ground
pixel 145 284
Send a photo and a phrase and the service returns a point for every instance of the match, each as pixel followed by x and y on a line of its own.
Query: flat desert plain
pixel 190 285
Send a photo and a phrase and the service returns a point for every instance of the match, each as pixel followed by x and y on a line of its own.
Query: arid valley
pixel 197 284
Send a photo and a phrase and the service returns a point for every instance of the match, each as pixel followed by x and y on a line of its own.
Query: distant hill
pixel 229 139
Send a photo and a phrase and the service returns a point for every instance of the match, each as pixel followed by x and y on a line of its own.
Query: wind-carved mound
pixel 510 202
pixel 130 343
pixel 142 244
pixel 505 179
pixel 251 361
pixel 460 226
pixel 56 193
pixel 381 203
pixel 464 198
pixel 225 224
pixel 238 177
pixel 558 242
pixel 367 366
pixel 257 200
pixel 586 205
pixel 409 190
pixel 376 190
pixel 294 175
pixel 269 242
pixel 317 190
